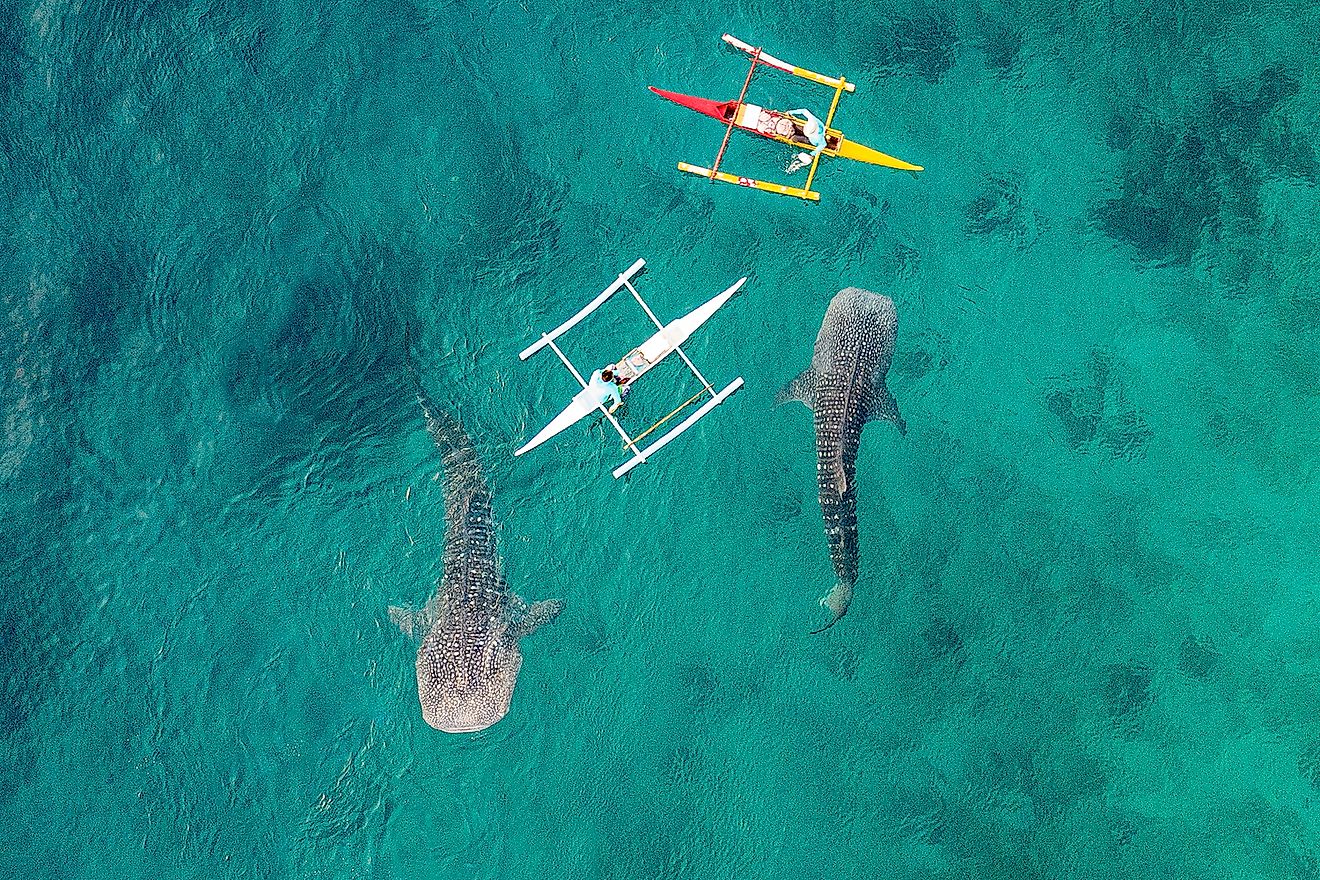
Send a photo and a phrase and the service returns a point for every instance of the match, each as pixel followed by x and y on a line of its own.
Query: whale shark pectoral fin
pixel 535 617
pixel 416 623
pixel 802 388
pixel 409 620
pixel 881 405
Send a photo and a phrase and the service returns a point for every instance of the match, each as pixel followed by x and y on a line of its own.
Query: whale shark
pixel 845 388
pixel 469 656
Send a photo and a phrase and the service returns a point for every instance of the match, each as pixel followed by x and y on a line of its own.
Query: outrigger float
pixel 778 126
pixel 668 339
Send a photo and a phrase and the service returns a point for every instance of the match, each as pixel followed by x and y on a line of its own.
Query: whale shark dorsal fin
pixel 880 404
pixel 802 388
pixel 533 618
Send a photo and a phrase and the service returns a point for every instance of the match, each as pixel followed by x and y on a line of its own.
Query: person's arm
pixel 809 118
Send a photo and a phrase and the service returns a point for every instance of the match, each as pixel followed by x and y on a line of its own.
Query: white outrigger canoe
pixel 667 339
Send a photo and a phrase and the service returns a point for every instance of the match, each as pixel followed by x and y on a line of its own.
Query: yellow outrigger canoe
pixel 778 126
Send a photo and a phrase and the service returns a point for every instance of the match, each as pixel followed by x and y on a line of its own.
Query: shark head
pixel 467 665
pixel 472 694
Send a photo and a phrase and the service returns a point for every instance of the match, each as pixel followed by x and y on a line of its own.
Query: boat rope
pixel 684 405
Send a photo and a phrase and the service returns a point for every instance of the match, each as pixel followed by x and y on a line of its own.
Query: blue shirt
pixel 814 130
pixel 604 390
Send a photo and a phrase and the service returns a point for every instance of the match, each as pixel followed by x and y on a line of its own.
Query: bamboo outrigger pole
pixel 829 117
pixel 733 119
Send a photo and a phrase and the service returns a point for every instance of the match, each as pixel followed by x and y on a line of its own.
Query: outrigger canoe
pixel 779 126
pixel 667 339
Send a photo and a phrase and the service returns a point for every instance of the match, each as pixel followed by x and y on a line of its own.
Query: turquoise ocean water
pixel 1085 641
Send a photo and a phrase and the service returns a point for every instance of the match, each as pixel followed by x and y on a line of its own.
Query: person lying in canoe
pixel 772 122
pixel 605 387
pixel 813 130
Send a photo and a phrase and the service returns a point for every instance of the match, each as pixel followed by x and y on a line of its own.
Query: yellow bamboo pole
pixel 829 117
pixel 691 400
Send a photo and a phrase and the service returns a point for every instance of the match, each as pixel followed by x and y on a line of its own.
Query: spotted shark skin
pixel 469 657
pixel 845 388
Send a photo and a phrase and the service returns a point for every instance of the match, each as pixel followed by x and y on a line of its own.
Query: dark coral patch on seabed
pixel 1127 690
pixel 1001 45
pixel 1096 407
pixel 1184 179
pixel 999 210
pixel 1308 763
pixel 1197 656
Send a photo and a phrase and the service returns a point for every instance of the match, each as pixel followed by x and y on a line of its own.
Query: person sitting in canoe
pixel 605 387
pixel 814 131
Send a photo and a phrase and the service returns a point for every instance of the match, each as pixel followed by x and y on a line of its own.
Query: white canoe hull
pixel 664 342
pixel 641 359
pixel 581 406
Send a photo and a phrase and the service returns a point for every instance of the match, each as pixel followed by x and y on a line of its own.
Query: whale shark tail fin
pixel 462 471
pixel 837 601
pixel 802 388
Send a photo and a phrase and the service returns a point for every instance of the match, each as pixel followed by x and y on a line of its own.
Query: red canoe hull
pixel 720 110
